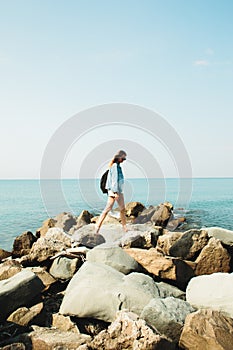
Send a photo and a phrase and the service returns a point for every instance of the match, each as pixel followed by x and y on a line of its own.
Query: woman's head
pixel 119 157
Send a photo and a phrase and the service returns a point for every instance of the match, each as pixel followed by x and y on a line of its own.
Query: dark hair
pixel 115 159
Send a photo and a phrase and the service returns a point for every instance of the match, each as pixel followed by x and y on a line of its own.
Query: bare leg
pixel 121 204
pixel 104 213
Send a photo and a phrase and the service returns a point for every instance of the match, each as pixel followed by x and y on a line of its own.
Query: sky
pixel 60 58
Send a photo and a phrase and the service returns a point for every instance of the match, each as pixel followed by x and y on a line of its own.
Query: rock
pixel 24 316
pixel 50 339
pixel 167 316
pixel 108 292
pixel 64 268
pixel 9 268
pixel 213 258
pixel 134 208
pixel 190 244
pixel 167 290
pixel 64 323
pixel 43 275
pixel 225 236
pixel 86 236
pixel 45 247
pixel 166 241
pixel 173 223
pixel 162 215
pixel 47 224
pixel 83 219
pixel 4 254
pixel 22 244
pixel 207 329
pixel 114 257
pixel 158 215
pixel 129 332
pixel 212 291
pixel 65 221
pixel 17 291
pixel 168 268
pixel 135 238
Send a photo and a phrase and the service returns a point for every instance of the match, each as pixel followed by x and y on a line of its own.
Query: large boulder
pixel 45 247
pixel 162 266
pixel 158 215
pixel 134 208
pixel 64 268
pixel 212 291
pixel 114 257
pixel 65 221
pixel 85 236
pixel 141 236
pixel 225 236
pixel 47 224
pixel 166 241
pixel 190 244
pixel 18 291
pixel 9 268
pixel 129 332
pixel 102 291
pixel 213 258
pixel 207 329
pixel 22 244
pixel 167 316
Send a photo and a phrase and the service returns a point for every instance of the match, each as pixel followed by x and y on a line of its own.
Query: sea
pixel 25 204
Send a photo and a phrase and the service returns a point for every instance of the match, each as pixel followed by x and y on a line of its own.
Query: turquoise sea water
pixel 25 204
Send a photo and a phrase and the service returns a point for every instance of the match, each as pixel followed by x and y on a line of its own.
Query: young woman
pixel 114 185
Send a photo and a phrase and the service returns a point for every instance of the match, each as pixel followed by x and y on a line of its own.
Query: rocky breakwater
pixel 150 288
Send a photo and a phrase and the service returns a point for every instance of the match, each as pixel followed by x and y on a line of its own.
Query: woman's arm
pixel 114 178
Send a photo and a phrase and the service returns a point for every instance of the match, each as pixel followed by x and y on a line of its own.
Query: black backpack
pixel 103 181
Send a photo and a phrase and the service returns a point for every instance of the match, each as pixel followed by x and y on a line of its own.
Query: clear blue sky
pixel 60 57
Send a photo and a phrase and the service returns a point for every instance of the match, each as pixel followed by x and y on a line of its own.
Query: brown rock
pixel 24 316
pixel 207 329
pixel 190 244
pixel 4 254
pixel 134 208
pixel 43 275
pixel 83 219
pixel 64 323
pixel 129 332
pixel 23 244
pixel 50 339
pixel 9 268
pixel 162 214
pixel 47 224
pixel 213 258
pixel 169 268
pixel 166 241
pixel 65 221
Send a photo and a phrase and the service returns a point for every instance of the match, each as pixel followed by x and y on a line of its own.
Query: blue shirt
pixel 115 179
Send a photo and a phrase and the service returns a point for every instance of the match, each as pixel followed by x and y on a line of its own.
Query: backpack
pixel 103 181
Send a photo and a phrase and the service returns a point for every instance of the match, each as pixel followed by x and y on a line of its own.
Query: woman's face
pixel 122 159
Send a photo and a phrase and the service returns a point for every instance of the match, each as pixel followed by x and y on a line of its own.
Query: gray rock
pixel 65 221
pixel 86 236
pixel 212 292
pixel 136 237
pixel 190 244
pixel 167 316
pixel 158 215
pixel 225 236
pixel 114 257
pixel 102 291
pixel 18 291
pixel 63 268
pixel 167 290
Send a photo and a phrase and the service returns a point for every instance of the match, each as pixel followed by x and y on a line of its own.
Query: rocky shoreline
pixel 154 287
